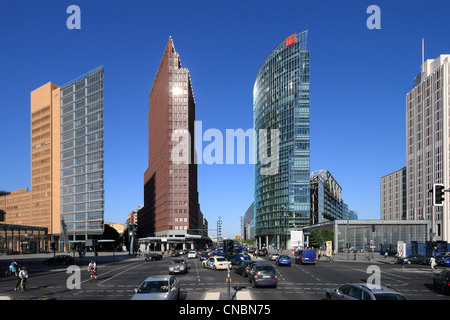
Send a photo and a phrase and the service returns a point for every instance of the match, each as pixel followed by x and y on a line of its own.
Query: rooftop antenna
pixel 423 53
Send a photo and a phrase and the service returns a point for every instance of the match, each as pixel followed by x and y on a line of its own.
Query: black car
pixel 441 281
pixel 262 252
pixel 204 255
pixel 153 256
pixel 60 259
pixel 244 267
pixel 411 259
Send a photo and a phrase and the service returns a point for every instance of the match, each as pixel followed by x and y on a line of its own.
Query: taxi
pixel 216 263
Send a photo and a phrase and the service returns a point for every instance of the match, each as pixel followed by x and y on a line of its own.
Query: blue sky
pixel 359 79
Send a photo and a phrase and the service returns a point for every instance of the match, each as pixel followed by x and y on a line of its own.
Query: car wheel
pixel 214 267
pixel 328 296
pixel 443 288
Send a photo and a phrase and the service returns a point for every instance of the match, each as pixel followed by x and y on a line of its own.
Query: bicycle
pixel 368 258
pixel 93 275
pixel 22 286
pixel 9 273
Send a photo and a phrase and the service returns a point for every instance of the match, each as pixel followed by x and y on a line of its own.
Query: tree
pixel 318 237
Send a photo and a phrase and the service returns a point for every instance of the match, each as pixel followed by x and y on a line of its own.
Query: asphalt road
pixel 118 278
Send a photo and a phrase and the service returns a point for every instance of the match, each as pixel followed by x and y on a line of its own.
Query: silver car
pixel 158 288
pixel 361 291
pixel 274 256
pixel 178 266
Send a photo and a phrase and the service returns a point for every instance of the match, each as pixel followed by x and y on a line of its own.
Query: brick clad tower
pixel 171 205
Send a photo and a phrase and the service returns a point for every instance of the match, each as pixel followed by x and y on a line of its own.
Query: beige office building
pixel 40 205
pixel 66 161
pixel 393 195
pixel 428 145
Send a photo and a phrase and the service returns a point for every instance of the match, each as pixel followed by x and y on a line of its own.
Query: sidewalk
pixel 378 258
pixel 102 257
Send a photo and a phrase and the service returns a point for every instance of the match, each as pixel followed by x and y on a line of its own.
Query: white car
pixel 217 263
pixel 192 254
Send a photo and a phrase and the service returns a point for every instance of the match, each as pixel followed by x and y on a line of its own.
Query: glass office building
pixel 382 234
pixel 281 121
pixel 82 163
pixel 326 199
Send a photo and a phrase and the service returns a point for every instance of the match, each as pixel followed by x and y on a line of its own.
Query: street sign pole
pixel 228 282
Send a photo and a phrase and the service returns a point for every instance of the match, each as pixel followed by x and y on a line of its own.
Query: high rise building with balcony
pixel 171 207
pixel 281 105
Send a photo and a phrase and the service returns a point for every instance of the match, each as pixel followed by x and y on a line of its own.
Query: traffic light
pixel 438 194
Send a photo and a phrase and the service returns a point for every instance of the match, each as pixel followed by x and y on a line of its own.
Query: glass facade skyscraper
pixel 281 120
pixel 82 163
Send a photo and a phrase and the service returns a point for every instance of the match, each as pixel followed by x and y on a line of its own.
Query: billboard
pixel 297 239
pixel 401 249
pixel 329 248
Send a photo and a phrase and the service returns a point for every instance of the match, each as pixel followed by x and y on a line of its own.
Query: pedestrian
pixel 385 255
pixel 331 257
pixel 433 264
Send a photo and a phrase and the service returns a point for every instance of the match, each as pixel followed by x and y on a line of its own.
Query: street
pixel 118 276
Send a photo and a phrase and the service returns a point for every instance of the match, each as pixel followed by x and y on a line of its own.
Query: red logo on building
pixel 292 39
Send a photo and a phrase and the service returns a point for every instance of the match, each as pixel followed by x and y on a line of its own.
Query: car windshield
pixel 266 269
pixel 221 259
pixel 284 257
pixel 177 262
pixel 155 286
pixel 389 296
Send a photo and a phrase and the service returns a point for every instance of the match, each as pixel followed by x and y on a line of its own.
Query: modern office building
pixel 326 199
pixel 82 150
pixel 381 234
pixel 428 145
pixel 66 160
pixel 171 206
pixel 393 195
pixel 248 223
pixel 281 120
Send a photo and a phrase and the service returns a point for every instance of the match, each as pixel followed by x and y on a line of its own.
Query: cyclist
pixel 23 276
pixel 92 268
pixel 13 268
